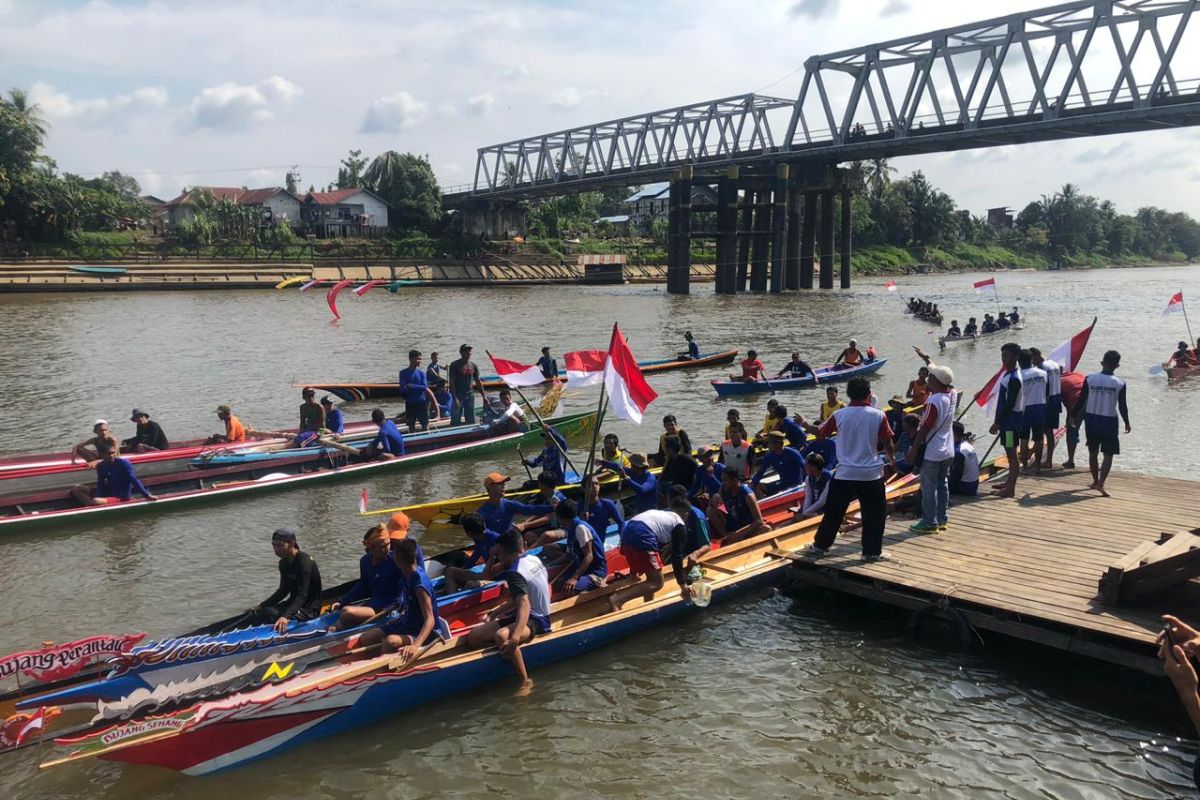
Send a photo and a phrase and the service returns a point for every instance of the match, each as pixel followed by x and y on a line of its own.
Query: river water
pixel 755 697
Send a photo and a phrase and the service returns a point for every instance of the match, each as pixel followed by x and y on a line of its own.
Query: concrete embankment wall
pixel 522 270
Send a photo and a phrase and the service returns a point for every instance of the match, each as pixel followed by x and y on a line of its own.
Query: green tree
pixel 289 181
pixel 407 182
pixel 350 175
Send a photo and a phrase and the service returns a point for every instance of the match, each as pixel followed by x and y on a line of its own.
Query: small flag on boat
pixel 516 374
pixel 362 502
pixel 1068 354
pixel 1175 304
pixel 985 286
pixel 890 286
pixel 584 368
pixel 311 284
pixel 36 723
pixel 628 392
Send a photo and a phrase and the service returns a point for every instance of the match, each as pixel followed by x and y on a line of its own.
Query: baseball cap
pixel 777 435
pixel 493 478
pixel 98 423
pixel 637 460
pixel 326 400
pixel 398 524
pixel 897 399
pixel 944 375
pixel 283 535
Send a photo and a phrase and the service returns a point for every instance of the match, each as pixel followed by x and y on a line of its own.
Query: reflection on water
pixel 743 699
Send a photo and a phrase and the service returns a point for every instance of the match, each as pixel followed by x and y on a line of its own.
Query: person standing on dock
pixel 1102 399
pixel 861 431
pixel 414 388
pixel 1035 394
pixel 464 380
pixel 1010 409
pixel 936 436
pixel 1054 403
pixel 1072 387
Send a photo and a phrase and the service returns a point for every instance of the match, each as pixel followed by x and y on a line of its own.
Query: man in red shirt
pixel 752 369
pixel 1072 386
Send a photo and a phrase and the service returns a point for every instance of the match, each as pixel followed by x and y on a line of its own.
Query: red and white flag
pixel 515 373
pixel 1068 354
pixel 368 286
pixel 986 399
pixel 584 368
pixel 362 502
pixel 32 725
pixel 1175 304
pixel 628 392
pixel 982 287
pixel 890 286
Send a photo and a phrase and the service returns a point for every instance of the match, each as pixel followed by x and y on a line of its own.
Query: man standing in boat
pixel 548 365
pixel 414 388
pixel 298 597
pixel 464 380
pixel 1102 399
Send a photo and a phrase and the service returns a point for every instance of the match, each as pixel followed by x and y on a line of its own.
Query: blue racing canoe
pixel 825 374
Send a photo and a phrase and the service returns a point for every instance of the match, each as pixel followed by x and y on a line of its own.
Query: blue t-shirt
pixel 389 439
pixel 551 461
pixel 827 448
pixel 599 565
pixel 707 484
pixel 379 584
pixel 697 531
pixel 499 516
pixel 548 366
pixel 795 434
pixel 413 384
pixel 736 510
pixel 411 619
pixel 693 349
pixel 604 513
pixel 118 480
pixel 482 550
pixel 645 489
pixel 334 421
pixel 788 463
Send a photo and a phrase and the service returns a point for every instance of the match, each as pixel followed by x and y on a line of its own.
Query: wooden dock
pixel 1030 568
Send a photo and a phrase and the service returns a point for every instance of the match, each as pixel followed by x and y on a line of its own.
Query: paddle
pixel 528 471
pixel 345 448
pixel 1158 369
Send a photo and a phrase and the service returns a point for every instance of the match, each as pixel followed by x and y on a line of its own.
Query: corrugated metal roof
pixel 651 190
pixel 615 219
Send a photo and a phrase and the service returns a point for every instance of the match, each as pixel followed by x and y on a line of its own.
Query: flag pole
pixel 542 422
pixel 996 295
pixel 591 461
pixel 1183 308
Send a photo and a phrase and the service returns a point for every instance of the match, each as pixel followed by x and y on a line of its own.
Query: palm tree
pixel 383 172
pixel 30 112
pixel 879 175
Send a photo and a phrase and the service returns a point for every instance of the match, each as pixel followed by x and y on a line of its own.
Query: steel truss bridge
pixel 1083 68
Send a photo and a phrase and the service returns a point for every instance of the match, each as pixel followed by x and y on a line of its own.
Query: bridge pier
pixel 493 219
pixel 826 242
pixel 846 237
pixel 679 227
pixel 759 250
pixel 745 233
pixel 808 239
pixel 779 229
pixel 727 240
pixel 791 280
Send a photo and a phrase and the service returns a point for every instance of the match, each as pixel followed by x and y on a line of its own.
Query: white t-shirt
pixel 1104 393
pixel 537 585
pixel 512 411
pixel 1053 372
pixel 939 443
pixel 661 523
pixel 857 443
pixel 970 473
pixel 1033 387
pixel 737 458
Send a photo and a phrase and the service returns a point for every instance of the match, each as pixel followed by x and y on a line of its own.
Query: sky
pixel 232 93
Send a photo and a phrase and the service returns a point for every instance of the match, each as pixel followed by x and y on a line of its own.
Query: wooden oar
pixel 345 448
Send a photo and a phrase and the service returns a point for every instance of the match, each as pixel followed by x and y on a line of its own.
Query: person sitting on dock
pixel 587 566
pixel 525 615
pixel 670 428
pixel 861 432
pixel 693 349
pixel 419 619
pixel 954 332
pixel 1102 399
pixel 786 461
pixel 378 588
pixel 816 486
pixel 796 368
pixel 388 442
pixel 918 387
pixel 736 515
pixel 849 358
pixel 831 404
pixel 89 449
pixel 639 478
pixel 115 479
pixel 298 597
pixel 234 430
pixel 498 511
pixel 461 575
pixel 642 542
pixel 149 437
pixel 312 418
pixel 737 453
pixel 553 458
pixel 335 421
pixel 964 472
pixel 512 418
pixel 971 330
pixel 1035 394
pixel 752 369
pixel 1010 412
pixel 414 388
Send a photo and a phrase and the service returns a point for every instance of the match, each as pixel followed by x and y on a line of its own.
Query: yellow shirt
pixel 771 424
pixel 827 410
pixel 621 458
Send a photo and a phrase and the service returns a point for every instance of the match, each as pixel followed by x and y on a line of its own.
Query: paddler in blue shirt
pixel 587 566
pixel 639 478
pixel 548 496
pixel 463 575
pixel 600 512
pixel 498 511
pixel 552 459
pixel 378 582
pixel 115 479
pixel 418 620
pixel 414 388
pixel 388 443
pixel 786 461
pixel 335 422
pixel 693 349
pixel 548 365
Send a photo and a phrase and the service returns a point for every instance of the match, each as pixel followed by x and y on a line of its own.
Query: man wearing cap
pixel 312 418
pixel 298 597
pixel 378 587
pixel 553 457
pixel 234 430
pixel 397 528
pixel 89 450
pixel 895 411
pixel 414 388
pixel 464 379
pixel 335 422
pixel 149 436
pixel 936 435
pixel 786 461
pixel 498 511
pixel 639 478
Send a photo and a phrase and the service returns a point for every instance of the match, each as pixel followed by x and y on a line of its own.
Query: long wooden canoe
pixel 826 374
pixel 355 392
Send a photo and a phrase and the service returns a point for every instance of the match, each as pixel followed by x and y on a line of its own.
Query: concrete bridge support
pixel 679 226
pixel 745 232
pixel 846 237
pixel 826 241
pixel 808 239
pixel 760 246
pixel 727 241
pixel 791 272
pixel 493 219
pixel 779 221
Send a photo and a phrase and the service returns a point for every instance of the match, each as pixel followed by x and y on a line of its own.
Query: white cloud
pixel 566 98
pixel 512 73
pixel 481 104
pixel 394 113
pixel 894 7
pixel 238 107
pixel 814 9
pixel 58 106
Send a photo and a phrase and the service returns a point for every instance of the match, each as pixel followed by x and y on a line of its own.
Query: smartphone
pixel 1170 640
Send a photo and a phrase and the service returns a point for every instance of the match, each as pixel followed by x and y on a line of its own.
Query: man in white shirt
pixel 1035 394
pixel 1102 399
pixel 936 434
pixel 964 473
pixel 1054 403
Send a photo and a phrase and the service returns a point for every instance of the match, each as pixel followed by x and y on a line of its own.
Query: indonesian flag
pixel 988 395
pixel 514 373
pixel 362 502
pixel 890 286
pixel 368 286
pixel 628 392
pixel 1175 304
pixel 1068 354
pixel 988 285
pixel 36 723
pixel 584 368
